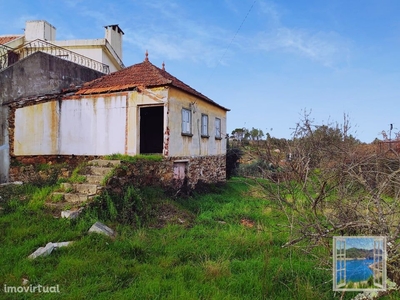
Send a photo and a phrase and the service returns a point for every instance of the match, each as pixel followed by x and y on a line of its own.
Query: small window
pixel 218 128
pixel 186 121
pixel 204 125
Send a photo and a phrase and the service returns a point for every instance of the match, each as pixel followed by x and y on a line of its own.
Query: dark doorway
pixel 151 129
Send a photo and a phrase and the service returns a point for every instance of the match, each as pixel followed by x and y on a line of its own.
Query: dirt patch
pixel 168 213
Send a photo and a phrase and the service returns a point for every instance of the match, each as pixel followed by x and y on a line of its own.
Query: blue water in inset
pixel 357 270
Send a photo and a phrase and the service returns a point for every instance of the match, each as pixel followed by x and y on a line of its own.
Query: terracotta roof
pixel 142 75
pixel 7 39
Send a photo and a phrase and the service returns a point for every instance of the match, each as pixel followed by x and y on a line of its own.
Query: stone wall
pixel 36 168
pixel 143 172
pixel 202 169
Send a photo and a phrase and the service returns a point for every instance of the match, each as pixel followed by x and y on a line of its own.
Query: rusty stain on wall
pixel 36 129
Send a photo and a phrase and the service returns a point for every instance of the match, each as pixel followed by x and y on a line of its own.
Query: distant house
pixel 105 54
pixel 138 110
pixel 35 64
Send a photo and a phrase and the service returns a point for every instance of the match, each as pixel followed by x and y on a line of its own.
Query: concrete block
pixel 71 214
pixel 42 251
pixel 102 229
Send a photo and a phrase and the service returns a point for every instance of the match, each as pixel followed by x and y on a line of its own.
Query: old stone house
pixel 138 110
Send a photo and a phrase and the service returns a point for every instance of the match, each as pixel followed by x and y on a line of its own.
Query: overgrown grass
pixel 133 159
pixel 76 176
pixel 214 257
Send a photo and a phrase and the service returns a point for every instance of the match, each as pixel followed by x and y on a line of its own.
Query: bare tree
pixel 328 183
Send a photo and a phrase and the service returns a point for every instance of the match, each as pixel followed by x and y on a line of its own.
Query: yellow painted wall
pixel 106 124
pixel 36 129
pixel 146 98
pixel 195 145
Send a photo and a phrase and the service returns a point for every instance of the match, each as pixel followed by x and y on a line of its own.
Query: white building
pixel 41 36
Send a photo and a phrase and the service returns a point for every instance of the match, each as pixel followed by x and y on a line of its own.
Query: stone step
pixel 104 163
pixel 76 198
pixel 96 179
pixel 82 188
pixel 58 206
pixel 100 170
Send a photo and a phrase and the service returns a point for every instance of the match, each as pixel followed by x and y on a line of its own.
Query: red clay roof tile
pixel 7 39
pixel 144 74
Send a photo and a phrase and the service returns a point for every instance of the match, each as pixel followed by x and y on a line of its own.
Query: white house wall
pixel 94 49
pixel 92 126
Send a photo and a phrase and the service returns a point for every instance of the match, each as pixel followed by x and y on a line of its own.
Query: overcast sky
pixel 268 61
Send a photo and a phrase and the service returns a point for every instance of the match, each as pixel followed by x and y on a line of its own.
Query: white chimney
pixel 39 30
pixel 114 37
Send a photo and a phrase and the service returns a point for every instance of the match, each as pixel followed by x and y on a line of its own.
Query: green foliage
pixel 127 207
pixel 217 257
pixel 39 197
pixel 256 168
pixel 233 156
pixel 133 159
pixel 370 281
pixel 256 134
pixel 57 198
pixel 76 177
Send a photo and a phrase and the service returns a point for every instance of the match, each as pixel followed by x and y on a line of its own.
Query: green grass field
pixel 224 244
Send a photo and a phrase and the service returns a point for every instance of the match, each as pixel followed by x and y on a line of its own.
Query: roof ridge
pixel 144 74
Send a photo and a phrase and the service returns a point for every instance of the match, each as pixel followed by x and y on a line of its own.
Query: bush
pixel 233 156
pixel 127 207
pixel 255 169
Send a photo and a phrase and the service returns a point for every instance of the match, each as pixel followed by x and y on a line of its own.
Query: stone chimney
pixel 114 37
pixel 39 30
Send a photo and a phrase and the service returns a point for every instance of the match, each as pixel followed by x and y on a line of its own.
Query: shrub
pixel 233 156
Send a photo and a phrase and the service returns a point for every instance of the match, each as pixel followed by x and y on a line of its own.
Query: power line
pixel 234 36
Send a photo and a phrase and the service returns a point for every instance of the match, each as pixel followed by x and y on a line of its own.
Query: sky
pixel 269 62
pixel 366 242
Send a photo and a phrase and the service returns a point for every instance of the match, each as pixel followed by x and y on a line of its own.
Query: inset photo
pixel 359 263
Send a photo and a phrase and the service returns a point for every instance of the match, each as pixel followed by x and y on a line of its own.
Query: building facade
pixel 141 109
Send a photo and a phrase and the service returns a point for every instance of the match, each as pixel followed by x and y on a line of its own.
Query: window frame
pixel 204 126
pixel 218 133
pixel 186 123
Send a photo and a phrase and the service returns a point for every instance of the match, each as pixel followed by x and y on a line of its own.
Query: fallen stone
pixel 62 244
pixel 102 229
pixel 71 214
pixel 44 251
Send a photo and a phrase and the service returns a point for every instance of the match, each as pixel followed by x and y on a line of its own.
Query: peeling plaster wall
pixel 4 146
pixel 36 130
pixel 89 126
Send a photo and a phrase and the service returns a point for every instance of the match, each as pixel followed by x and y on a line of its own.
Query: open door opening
pixel 151 129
